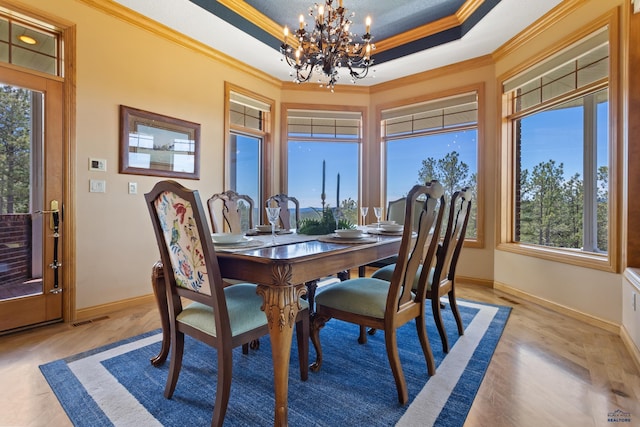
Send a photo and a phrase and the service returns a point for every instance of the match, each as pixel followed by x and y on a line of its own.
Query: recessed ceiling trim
pixel 254 16
pixel 435 27
pixel 467 9
pixel 248 13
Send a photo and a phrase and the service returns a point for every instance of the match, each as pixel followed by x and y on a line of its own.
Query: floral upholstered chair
pixel 222 317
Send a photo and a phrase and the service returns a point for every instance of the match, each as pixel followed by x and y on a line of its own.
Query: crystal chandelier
pixel 328 47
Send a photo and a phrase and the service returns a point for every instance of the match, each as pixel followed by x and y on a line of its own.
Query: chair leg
pixel 362 271
pixel 421 328
pixel 311 294
pixel 455 311
pixel 437 315
pixel 223 387
pixel 317 323
pixel 302 335
pixel 344 275
pixel 391 342
pixel 362 338
pixel 175 364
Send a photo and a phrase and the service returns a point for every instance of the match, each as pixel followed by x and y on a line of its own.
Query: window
pixel 558 128
pixel 248 135
pixel 435 139
pixel 323 159
pixel 29 45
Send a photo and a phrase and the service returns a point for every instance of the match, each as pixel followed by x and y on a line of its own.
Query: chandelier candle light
pixel 328 47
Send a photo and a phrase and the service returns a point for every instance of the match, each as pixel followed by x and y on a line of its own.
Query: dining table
pixel 282 267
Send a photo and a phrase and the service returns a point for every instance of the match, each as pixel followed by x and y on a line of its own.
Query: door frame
pixel 67 31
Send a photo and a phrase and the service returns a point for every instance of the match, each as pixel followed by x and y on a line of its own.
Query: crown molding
pixel 339 88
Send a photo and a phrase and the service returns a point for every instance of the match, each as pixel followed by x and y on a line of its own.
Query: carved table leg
pixel 281 306
pixel 160 292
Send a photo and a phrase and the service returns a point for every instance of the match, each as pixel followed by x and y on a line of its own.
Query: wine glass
pixel 338 216
pixel 364 210
pixel 378 213
pixel 272 215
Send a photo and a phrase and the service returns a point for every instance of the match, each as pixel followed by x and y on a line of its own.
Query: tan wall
pixel 118 63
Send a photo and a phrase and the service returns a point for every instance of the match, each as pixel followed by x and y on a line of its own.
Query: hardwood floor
pixel 548 369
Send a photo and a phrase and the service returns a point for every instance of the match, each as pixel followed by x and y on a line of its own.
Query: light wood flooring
pixel 548 369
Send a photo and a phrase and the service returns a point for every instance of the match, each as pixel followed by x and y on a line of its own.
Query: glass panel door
pixel 31 164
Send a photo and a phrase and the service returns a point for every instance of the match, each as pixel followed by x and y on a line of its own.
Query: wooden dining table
pixel 281 271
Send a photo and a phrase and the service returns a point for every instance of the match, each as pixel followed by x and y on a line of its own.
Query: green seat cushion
pixel 243 305
pixel 364 295
pixel 386 272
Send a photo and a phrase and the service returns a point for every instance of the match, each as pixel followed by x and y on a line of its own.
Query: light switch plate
pixel 97 164
pixel 97 186
pixel 133 188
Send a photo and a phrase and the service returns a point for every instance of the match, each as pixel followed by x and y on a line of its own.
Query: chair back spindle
pixel 233 207
pixel 282 200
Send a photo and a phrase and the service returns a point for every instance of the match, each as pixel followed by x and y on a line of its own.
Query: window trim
pixel 284 135
pixel 266 134
pixel 479 89
pixel 506 159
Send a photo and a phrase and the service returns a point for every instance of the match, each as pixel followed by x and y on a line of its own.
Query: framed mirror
pixel 153 144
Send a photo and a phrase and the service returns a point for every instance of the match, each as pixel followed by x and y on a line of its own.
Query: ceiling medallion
pixel 328 47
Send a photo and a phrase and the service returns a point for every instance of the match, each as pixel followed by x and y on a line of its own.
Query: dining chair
pixel 282 201
pixel 234 206
pixel 385 305
pixel 444 272
pixel 395 212
pixel 222 317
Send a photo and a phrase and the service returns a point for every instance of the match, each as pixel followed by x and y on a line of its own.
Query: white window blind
pixel 571 69
pixel 443 113
pixel 317 123
pixel 247 112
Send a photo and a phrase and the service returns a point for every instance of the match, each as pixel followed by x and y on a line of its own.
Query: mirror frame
pixel 158 155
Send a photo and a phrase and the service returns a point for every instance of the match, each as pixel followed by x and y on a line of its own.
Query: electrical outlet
pixel 133 188
pixel 97 186
pixel 97 165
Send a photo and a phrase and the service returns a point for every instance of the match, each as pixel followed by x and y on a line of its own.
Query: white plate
pixel 392 228
pixel 239 242
pixel 265 228
pixel 225 238
pixel 359 236
pixel 349 233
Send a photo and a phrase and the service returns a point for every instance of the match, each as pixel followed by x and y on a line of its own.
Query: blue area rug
pixel 116 384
